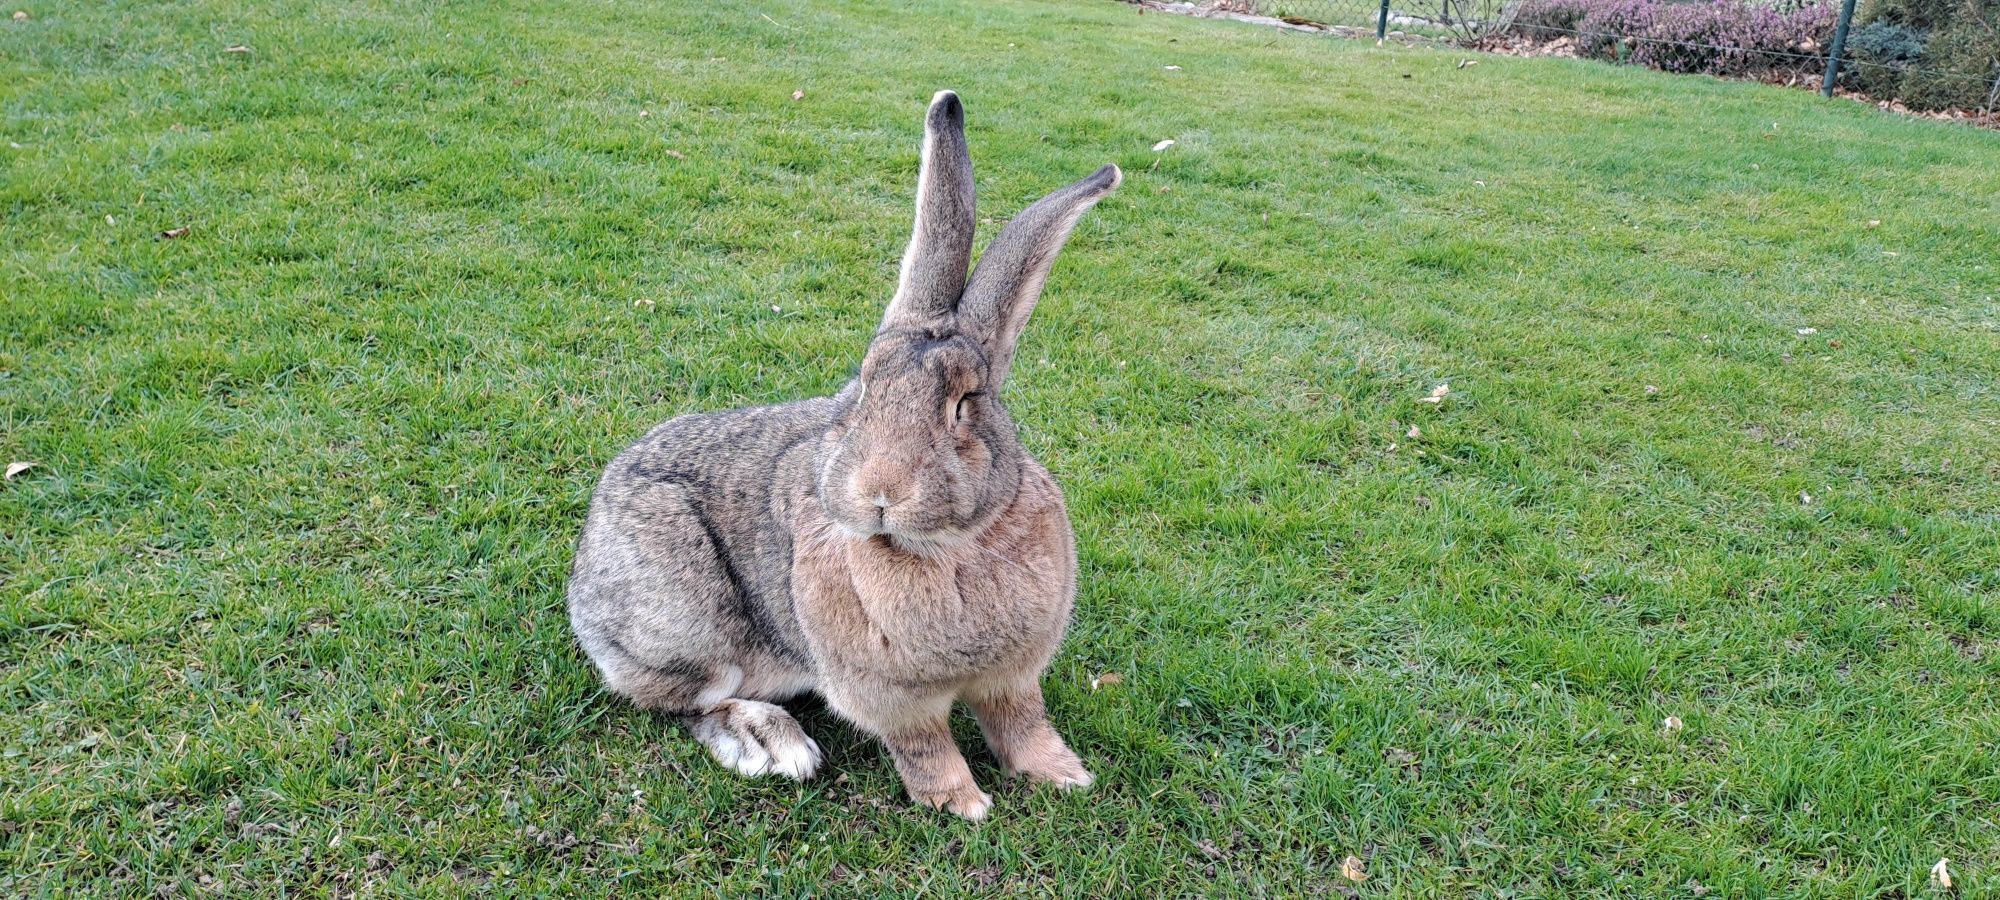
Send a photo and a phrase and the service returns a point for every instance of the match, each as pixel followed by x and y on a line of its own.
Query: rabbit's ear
pixel 940 248
pixel 1010 275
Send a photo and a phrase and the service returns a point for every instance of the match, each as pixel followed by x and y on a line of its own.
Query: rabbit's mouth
pixel 927 543
pixel 921 542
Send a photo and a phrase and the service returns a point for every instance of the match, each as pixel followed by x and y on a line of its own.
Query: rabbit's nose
pixel 880 497
pixel 881 484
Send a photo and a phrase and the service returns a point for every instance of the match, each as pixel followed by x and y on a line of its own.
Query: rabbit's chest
pixel 866 605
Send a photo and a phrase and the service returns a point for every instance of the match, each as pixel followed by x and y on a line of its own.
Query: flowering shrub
pixel 1550 15
pixel 1609 22
pixel 1717 37
pixel 1784 35
pixel 1696 37
pixel 1902 49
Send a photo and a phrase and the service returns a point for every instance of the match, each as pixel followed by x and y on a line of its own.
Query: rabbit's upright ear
pixel 1011 273
pixel 940 248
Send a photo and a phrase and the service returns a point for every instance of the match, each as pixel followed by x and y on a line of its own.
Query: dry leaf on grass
pixel 798 95
pixel 1941 873
pixel 20 15
pixel 16 468
pixel 1106 680
pixel 172 233
pixel 1350 869
pixel 1874 223
pixel 1414 433
pixel 239 48
pixel 1672 724
pixel 1436 395
pixel 676 154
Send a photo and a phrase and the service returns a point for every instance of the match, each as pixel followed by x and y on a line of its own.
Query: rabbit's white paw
pixel 756 738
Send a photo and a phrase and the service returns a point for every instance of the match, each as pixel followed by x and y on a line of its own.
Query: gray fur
pixel 933 272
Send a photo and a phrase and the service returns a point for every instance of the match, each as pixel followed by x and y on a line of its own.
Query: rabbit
pixel 893 547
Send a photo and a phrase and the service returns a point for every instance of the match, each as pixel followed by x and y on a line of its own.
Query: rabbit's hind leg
pixel 752 737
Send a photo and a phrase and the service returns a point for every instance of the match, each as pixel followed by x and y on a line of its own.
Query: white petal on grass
pixel 1808 332
pixel 1163 145
pixel 16 468
pixel 1672 724
pixel 1941 873
pixel 1436 395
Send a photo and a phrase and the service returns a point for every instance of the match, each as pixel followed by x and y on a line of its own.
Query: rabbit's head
pixel 921 449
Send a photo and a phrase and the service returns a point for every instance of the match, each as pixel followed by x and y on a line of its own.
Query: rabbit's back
pixel 686 555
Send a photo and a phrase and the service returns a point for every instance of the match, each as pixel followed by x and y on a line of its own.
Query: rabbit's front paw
pixel 967 802
pixel 1061 773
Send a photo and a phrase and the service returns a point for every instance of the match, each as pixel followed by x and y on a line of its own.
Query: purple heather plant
pixel 1694 37
pixel 1610 23
pixel 1717 37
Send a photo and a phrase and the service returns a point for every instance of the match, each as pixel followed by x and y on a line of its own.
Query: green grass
pixel 282 607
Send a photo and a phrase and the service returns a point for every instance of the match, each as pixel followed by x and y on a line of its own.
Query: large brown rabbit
pixel 892 547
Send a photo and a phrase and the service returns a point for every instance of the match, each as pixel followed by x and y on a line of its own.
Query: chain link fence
pixel 1923 55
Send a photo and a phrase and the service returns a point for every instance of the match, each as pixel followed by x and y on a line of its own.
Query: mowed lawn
pixel 1690 583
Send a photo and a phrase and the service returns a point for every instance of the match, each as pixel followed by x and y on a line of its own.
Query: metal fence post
pixel 1382 21
pixel 1839 47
